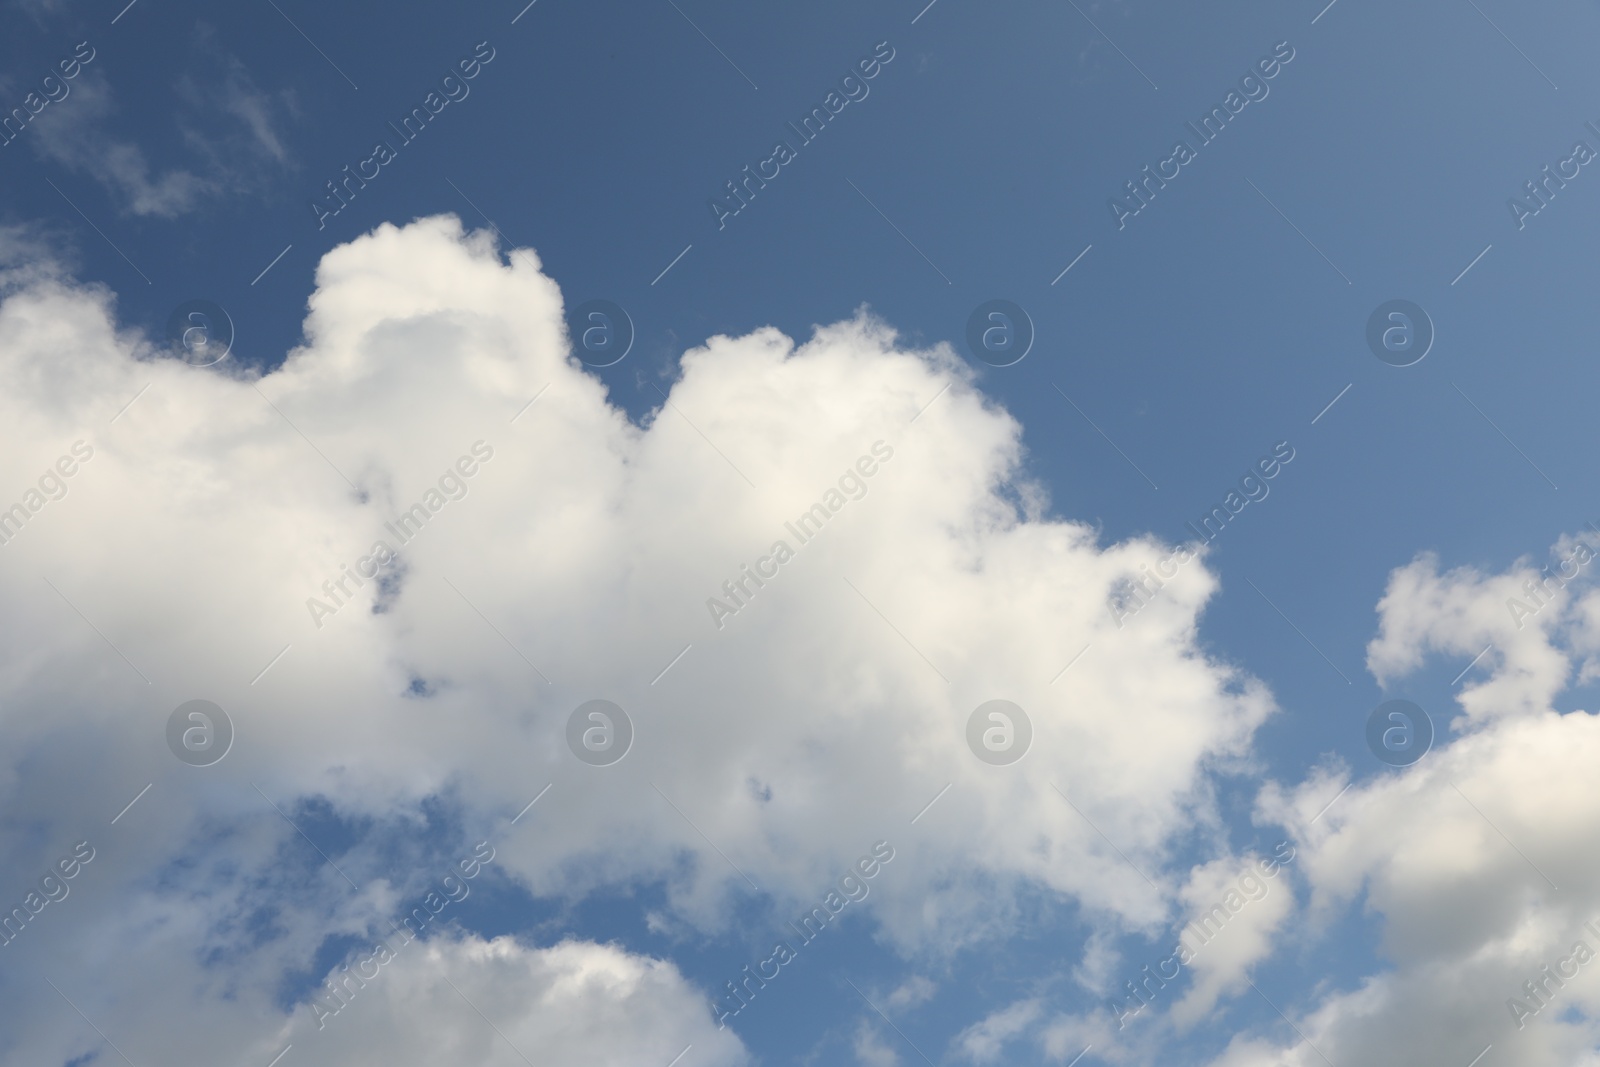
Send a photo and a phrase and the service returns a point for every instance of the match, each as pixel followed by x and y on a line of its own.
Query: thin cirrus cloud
pixel 230 130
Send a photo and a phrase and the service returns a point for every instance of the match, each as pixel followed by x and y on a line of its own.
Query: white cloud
pixel 573 1002
pixel 1460 613
pixel 75 134
pixel 215 506
pixel 1235 909
pixel 1066 1037
pixel 1478 860
pixel 985 1040
pixel 912 993
pixel 872 1049
pixel 232 133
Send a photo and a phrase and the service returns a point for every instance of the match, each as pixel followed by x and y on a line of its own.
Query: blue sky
pixel 1224 320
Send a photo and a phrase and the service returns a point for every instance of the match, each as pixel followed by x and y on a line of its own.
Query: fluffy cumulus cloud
pixel 441 535
pixel 1479 860
pixel 570 1003
pixel 1235 908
